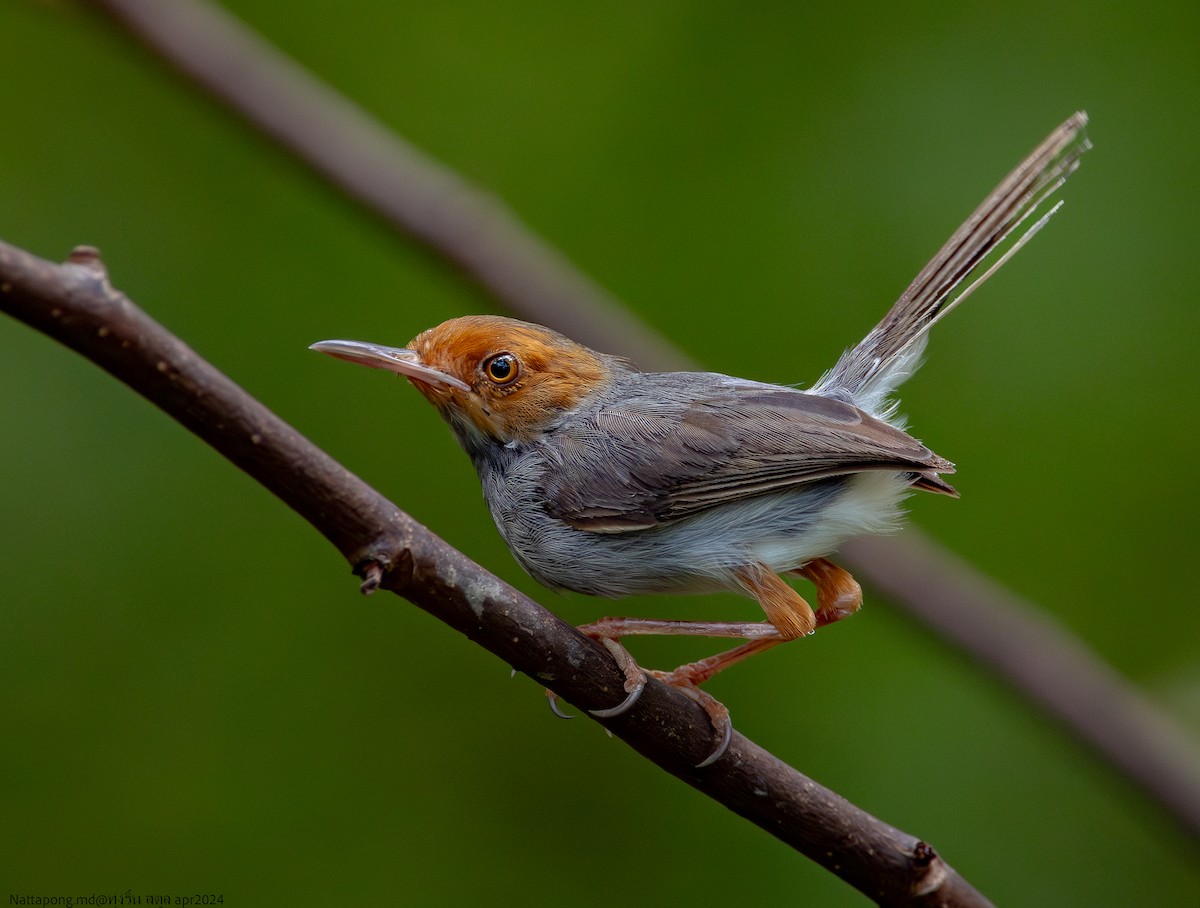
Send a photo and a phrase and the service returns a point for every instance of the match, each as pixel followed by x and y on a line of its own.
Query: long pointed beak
pixel 394 359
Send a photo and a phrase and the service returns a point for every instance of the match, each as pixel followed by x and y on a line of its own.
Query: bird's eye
pixel 502 369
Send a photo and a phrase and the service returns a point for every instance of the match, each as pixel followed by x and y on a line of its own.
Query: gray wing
pixel 640 464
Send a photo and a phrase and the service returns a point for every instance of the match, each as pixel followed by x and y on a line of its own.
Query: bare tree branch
pixel 477 232
pixel 75 304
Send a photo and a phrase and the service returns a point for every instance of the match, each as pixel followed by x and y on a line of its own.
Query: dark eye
pixel 502 369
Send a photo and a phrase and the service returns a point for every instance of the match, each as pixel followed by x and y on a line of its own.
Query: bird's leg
pixel 838 594
pixel 618 628
pixel 608 632
pixel 687 678
pixel 696 673
pixel 789 617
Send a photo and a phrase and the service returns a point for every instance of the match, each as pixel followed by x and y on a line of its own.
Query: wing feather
pixel 657 457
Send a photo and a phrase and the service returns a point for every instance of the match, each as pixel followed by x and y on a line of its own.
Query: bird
pixel 611 481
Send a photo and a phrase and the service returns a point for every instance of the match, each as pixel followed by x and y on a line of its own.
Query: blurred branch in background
pixel 1026 647
pixel 475 231
pixel 75 304
pixel 392 179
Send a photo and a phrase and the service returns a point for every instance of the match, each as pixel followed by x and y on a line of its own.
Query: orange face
pixel 501 377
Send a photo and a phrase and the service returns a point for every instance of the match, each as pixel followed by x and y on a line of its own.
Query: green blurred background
pixel 194 697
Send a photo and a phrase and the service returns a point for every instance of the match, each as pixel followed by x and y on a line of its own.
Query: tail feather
pixel 891 352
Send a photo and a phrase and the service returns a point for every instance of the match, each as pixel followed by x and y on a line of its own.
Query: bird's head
pixel 493 379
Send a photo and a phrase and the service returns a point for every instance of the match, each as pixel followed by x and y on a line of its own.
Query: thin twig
pixel 472 228
pixel 75 304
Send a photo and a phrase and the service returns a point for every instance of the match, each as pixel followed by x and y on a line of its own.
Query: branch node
pixel 88 257
pixel 371 572
pixel 923 854
pixel 931 868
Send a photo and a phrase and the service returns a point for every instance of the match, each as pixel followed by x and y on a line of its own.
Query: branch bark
pixel 473 230
pixel 75 304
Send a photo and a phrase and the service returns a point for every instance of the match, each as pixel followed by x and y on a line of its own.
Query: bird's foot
pixel 635 682
pixel 683 680
pixel 687 678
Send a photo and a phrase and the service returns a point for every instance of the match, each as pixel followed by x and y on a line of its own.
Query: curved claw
pixel 630 699
pixel 718 715
pixel 721 748
pixel 552 698
pixel 635 683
